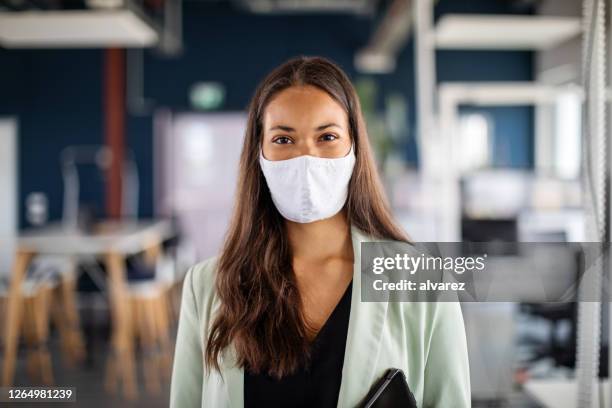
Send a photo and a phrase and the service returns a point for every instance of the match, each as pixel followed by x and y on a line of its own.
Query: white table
pixel 112 241
pixel 560 393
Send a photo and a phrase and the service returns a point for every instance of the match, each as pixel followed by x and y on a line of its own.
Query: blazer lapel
pixel 233 376
pixel 366 325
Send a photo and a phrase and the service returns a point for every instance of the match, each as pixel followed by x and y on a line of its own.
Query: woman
pixel 276 320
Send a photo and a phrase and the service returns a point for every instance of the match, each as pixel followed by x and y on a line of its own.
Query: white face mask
pixel 307 188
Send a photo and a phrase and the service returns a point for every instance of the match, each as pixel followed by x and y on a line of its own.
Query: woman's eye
pixel 328 137
pixel 282 140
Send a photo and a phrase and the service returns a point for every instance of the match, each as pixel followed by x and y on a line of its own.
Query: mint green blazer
pixel 426 340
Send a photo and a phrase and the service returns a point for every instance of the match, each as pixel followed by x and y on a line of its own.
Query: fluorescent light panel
pixel 454 31
pixel 74 28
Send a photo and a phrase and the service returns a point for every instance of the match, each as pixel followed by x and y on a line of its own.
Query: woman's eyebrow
pixel 328 125
pixel 283 128
pixel 290 129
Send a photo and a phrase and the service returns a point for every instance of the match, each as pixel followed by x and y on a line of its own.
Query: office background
pixel 515 106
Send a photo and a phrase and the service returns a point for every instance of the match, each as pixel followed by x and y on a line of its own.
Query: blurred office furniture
pixel 499 205
pixel 544 209
pixel 487 230
pixel 151 326
pixel 439 139
pixel 514 193
pixel 547 228
pixel 490 201
pixel 111 241
pixel 148 298
pixel 563 393
pixel 46 295
pixel 65 315
pixel 153 316
pixel 75 157
pixel 491 328
pixel 59 274
pixel 494 193
pixel 556 225
pixel 34 326
pixel 561 350
pixel 490 332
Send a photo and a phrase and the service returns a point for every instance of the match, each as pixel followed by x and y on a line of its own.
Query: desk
pixel 112 242
pixel 560 393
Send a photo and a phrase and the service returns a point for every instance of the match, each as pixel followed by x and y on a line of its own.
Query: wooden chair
pixel 48 292
pixel 36 298
pixel 60 273
pixel 66 318
pixel 35 329
pixel 151 325
pixel 150 314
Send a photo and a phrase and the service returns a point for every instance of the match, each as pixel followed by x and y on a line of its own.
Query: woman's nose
pixel 307 148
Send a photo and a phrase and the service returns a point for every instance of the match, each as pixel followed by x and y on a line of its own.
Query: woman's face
pixel 304 120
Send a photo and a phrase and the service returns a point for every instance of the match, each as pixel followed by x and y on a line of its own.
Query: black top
pixel 317 386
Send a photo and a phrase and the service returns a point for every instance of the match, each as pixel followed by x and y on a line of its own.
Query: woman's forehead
pixel 303 106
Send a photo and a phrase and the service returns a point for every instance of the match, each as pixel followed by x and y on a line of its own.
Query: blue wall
pixel 57 94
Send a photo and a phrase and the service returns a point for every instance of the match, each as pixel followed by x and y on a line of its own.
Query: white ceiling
pixel 454 31
pixel 74 28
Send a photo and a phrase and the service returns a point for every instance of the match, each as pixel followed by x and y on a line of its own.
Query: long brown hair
pixel 261 310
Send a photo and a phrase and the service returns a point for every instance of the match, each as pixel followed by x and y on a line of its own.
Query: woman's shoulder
pixel 431 318
pixel 201 279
